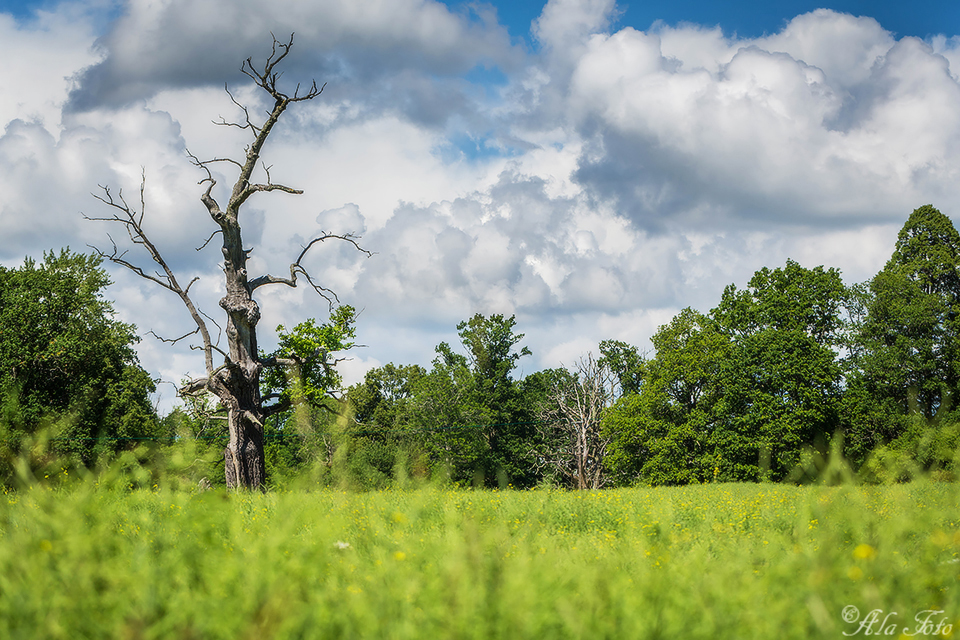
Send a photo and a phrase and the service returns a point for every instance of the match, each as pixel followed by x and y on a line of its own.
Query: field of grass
pixel 716 561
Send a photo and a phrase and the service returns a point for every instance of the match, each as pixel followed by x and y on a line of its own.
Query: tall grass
pixel 717 561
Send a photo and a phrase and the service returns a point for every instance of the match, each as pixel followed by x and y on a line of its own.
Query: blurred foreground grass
pixel 717 561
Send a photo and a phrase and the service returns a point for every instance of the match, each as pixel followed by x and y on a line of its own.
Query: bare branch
pixel 267 79
pixel 281 406
pixel 174 340
pixel 193 388
pixel 212 235
pixel 246 114
pixel 254 188
pixel 574 445
pixel 274 361
pixel 230 160
pixel 219 329
pixel 297 268
pixel 132 220
pixel 212 207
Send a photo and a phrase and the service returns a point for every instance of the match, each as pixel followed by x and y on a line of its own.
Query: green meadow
pixel 709 561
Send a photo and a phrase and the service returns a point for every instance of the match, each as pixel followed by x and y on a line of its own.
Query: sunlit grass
pixel 711 561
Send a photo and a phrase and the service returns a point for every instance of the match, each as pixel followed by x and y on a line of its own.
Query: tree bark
pixel 240 390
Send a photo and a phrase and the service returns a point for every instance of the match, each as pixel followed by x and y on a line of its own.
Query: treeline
pixel 765 386
pixel 794 377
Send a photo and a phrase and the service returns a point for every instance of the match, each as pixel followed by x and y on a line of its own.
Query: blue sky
pixel 746 18
pixel 591 179
pixel 753 18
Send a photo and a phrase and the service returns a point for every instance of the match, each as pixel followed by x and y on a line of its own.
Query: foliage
pixel 921 449
pixel 784 383
pixel 386 439
pixel 480 427
pixel 308 390
pixel 739 393
pixel 67 361
pixel 762 387
pixel 313 377
pixel 465 419
pixel 910 344
pixel 626 363
pixel 663 434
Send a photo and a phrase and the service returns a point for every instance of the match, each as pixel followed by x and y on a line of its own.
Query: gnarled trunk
pixel 239 390
pixel 243 458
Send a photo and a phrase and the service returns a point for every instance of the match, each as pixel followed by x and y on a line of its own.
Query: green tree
pixel 665 434
pixel 473 417
pixel 306 390
pixel 737 394
pixel 450 420
pixel 784 378
pixel 910 344
pixel 626 363
pixel 383 400
pixel 491 344
pixel 386 438
pixel 904 367
pixel 63 355
pixel 308 354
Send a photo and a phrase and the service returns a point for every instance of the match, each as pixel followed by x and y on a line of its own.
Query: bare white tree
pixel 572 445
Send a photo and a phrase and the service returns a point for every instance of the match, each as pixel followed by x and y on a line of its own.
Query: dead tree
pixel 570 424
pixel 235 382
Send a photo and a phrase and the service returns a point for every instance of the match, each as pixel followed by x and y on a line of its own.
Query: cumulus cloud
pixel 566 24
pixel 42 54
pixel 831 121
pixel 184 43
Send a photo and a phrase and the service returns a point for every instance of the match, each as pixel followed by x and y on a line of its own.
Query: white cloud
pixel 40 58
pixel 844 47
pixel 830 119
pixel 186 43
pixel 566 24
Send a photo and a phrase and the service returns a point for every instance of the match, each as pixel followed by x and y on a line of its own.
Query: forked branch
pixel 297 268
pixel 268 78
pixel 132 221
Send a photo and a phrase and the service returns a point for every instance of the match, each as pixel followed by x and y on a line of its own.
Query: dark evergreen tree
pixel 905 349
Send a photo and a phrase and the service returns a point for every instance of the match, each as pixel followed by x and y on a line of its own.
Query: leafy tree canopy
pixel 909 342
pixel 62 352
pixel 312 376
pixel 626 363
pixel 928 252
pixel 736 394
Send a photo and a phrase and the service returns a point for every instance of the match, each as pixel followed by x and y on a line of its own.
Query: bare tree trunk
pixel 239 391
